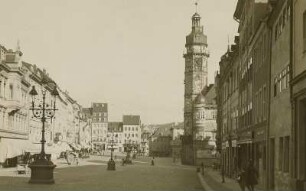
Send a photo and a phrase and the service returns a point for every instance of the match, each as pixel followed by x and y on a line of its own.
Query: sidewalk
pixel 212 180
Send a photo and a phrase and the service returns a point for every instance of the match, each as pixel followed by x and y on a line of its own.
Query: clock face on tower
pixel 198 64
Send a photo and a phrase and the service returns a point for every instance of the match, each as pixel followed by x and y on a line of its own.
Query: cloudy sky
pixel 127 53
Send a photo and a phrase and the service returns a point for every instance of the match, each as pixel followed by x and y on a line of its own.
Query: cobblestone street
pixel 93 176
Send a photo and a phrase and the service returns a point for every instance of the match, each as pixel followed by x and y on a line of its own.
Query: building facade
pixel 267 133
pixel 132 130
pixel 228 101
pixel 280 127
pixel 298 96
pixel 20 132
pixel 115 136
pixel 14 104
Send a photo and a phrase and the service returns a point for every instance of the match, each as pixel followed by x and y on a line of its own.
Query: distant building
pixel 132 130
pixel 160 147
pixel 145 137
pixel 99 122
pixel 115 136
pixel 176 142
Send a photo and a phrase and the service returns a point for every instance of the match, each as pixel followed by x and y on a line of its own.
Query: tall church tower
pixel 195 80
pixel 195 70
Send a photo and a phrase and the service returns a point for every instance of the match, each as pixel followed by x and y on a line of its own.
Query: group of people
pixel 248 177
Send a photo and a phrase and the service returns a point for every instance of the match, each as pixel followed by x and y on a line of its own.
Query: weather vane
pixel 196 4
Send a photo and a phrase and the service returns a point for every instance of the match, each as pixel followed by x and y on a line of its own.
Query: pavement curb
pixel 205 186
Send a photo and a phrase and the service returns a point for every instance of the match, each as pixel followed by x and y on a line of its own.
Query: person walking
pixel 242 179
pixel 152 162
pixel 251 176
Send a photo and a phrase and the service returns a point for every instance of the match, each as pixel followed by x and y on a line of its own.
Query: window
pixel 284 84
pixel 280 82
pixel 280 156
pixel 11 92
pixel 287 77
pixel 264 102
pixel 304 30
pixel 286 154
pixel 256 108
pixel 260 105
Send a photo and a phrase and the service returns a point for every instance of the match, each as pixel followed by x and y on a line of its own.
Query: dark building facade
pixel 227 101
pixel 298 96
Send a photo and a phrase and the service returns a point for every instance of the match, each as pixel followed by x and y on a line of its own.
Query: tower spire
pixel 228 44
pixel 196 5
pixel 18 45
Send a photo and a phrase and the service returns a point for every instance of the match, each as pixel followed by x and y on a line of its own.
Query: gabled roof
pixel 131 120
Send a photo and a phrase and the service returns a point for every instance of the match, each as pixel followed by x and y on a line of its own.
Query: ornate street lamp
pixel 111 165
pixel 128 147
pixel 42 167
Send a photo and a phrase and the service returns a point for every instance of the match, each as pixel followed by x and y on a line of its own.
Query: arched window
pixel 11 95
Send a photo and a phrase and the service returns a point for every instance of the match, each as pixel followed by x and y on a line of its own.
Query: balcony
pixel 12 105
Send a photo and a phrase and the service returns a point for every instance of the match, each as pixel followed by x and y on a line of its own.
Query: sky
pixel 127 53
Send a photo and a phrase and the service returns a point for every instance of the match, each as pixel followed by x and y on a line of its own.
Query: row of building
pixel 72 125
pixel 261 91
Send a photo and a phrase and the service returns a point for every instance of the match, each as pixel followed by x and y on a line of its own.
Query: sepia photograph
pixel 153 95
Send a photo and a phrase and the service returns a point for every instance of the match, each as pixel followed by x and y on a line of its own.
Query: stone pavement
pixel 212 180
pixel 140 176
pixel 60 163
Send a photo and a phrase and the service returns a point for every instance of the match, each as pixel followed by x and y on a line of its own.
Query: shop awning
pixel 49 149
pixel 76 146
pixel 10 148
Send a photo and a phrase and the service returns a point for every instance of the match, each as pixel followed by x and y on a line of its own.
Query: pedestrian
pixel 152 162
pixel 67 157
pixel 251 176
pixel 242 179
pixel 202 168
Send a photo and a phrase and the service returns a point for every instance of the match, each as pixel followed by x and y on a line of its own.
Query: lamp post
pixel 111 165
pixel 42 167
pixel 128 151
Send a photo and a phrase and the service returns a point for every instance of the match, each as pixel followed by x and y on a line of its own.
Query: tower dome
pixel 200 99
pixel 196 16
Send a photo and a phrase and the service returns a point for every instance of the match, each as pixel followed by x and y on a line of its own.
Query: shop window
pixel 264 164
